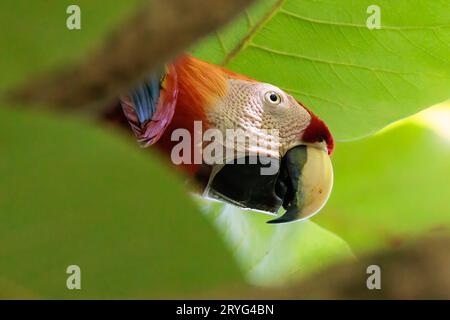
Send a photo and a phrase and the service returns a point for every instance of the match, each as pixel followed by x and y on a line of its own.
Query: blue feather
pixel 145 97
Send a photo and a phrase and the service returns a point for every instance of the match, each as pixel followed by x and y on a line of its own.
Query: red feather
pixel 317 131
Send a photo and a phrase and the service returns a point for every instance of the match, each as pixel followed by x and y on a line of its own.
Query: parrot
pixel 189 95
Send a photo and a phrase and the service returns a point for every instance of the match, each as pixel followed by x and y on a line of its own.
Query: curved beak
pixel 304 182
pixel 301 183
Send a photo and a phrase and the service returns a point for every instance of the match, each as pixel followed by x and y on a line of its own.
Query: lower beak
pixel 244 185
pixel 301 182
pixel 304 182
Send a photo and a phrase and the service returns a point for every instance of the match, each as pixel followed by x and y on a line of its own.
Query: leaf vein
pixel 355 25
pixel 303 57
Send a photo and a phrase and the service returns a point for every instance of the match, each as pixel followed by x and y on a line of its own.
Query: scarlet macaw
pixel 190 90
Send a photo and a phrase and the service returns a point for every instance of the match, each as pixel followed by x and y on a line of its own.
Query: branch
pixel 157 33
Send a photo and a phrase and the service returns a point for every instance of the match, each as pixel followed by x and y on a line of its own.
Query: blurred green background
pixel 74 192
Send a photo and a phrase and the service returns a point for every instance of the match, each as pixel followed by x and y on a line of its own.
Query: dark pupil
pixel 273 97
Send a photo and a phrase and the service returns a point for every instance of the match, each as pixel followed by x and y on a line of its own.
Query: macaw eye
pixel 272 97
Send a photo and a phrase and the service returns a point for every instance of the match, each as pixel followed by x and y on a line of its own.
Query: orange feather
pixel 200 85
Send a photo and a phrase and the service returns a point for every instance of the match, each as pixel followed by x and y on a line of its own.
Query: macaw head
pixel 270 151
pixel 282 151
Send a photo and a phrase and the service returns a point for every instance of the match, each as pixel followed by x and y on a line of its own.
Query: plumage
pixel 150 107
pixel 318 131
pixel 189 86
pixel 190 90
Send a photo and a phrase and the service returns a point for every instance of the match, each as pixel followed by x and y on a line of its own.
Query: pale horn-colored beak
pixel 304 182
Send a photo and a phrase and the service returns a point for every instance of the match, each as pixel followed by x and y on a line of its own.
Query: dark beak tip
pixel 290 215
pixel 276 221
pixel 280 220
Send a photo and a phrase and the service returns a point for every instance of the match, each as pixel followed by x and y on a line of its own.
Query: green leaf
pixel 35 37
pixel 358 80
pixel 389 188
pixel 273 255
pixel 71 194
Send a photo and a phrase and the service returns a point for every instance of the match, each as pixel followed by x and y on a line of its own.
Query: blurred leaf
pixel 275 254
pixel 73 194
pixel 415 271
pixel 35 36
pixel 389 188
pixel 151 36
pixel 358 80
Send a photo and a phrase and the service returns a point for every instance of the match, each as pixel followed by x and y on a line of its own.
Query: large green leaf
pixel 389 188
pixel 272 255
pixel 72 194
pixel 35 38
pixel 358 80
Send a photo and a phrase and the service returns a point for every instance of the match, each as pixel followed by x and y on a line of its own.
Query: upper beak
pixel 304 182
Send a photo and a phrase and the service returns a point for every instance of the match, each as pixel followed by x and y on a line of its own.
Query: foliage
pixel 72 193
pixel 389 188
pixel 358 80
pixel 35 38
pixel 274 255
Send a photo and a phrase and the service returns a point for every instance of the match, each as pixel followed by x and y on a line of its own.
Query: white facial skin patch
pixel 273 120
